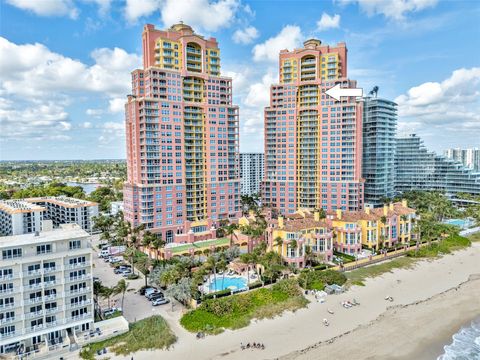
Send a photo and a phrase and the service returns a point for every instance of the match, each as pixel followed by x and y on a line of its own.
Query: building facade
pixel 251 172
pixel 19 217
pixel 67 210
pixel 373 228
pixel 416 168
pixel 313 143
pixel 182 136
pixel 343 231
pixel 290 236
pixel 470 158
pixel 379 129
pixel 46 291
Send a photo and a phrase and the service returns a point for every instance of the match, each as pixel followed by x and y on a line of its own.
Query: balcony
pixel 79 304
pixel 77 265
pixel 31 315
pixel 35 300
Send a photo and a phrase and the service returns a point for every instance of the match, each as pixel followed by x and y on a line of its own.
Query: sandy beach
pixel 431 302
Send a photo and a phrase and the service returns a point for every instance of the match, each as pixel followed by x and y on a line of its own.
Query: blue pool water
pixel 462 223
pixel 234 283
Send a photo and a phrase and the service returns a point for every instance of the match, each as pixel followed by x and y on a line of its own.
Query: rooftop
pixel 19 206
pixel 62 201
pixel 65 232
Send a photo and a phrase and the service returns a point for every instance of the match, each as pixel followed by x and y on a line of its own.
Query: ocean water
pixel 465 344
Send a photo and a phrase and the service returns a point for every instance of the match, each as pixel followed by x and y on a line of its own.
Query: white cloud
pixel 116 105
pixel 450 105
pixel 33 70
pixel 47 7
pixel 86 125
pixel 393 9
pixel 328 22
pixel 135 9
pixel 33 121
pixel 111 131
pixel 103 6
pixel 245 36
pixel 37 84
pixel 259 93
pixel 289 37
pixel 94 112
pixel 200 14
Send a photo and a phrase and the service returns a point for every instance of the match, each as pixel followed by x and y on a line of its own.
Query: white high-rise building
pixel 46 290
pixel 19 217
pixel 470 158
pixel 251 172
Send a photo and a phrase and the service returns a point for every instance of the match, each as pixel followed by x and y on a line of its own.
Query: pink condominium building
pixel 182 138
pixel 313 144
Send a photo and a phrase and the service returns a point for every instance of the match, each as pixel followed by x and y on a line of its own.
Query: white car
pixel 160 301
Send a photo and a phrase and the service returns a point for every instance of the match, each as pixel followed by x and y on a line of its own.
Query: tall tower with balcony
pixel 313 143
pixel 182 138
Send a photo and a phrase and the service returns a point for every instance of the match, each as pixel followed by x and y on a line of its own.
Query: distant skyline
pixel 65 65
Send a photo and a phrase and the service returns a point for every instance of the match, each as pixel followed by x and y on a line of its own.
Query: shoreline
pixel 431 346
pixel 409 325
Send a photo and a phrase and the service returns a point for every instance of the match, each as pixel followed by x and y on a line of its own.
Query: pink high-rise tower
pixel 182 138
pixel 313 144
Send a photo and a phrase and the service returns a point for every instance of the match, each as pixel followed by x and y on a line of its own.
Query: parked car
pixel 155 295
pixel 151 290
pixel 146 289
pixel 115 259
pixel 126 273
pixel 104 254
pixel 111 311
pixel 96 278
pixel 160 301
pixel 121 268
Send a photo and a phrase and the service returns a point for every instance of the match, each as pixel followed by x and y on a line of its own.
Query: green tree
pixel 121 288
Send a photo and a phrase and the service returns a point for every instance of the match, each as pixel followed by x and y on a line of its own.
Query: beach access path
pixel 291 332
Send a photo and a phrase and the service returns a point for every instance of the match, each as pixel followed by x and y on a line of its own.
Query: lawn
pixel 146 334
pixel 317 279
pixel 358 276
pixel 445 246
pixel 436 249
pixel 215 315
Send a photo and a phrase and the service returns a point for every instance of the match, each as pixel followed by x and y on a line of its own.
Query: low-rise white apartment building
pixel 66 210
pixel 115 207
pixel 46 291
pixel 19 217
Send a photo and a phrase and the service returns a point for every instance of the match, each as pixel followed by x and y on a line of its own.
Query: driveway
pixel 135 306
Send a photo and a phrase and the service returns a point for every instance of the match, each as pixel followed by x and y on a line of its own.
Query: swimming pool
pixel 461 223
pixel 233 283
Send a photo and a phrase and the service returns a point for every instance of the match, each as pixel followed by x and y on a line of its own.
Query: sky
pixel 65 64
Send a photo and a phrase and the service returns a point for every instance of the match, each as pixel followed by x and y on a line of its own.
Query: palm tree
pixel 144 263
pixel 121 288
pixel 309 255
pixel 230 230
pixel 374 91
pixel 97 291
pixel 130 253
pixel 212 264
pixel 106 293
pixel 247 259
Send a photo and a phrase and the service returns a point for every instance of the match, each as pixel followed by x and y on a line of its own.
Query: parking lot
pixel 135 306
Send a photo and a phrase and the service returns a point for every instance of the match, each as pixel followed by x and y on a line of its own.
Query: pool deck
pixel 205 288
